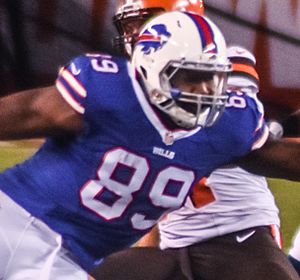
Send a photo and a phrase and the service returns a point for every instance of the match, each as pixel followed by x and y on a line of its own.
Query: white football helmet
pixel 182 61
pixel 244 75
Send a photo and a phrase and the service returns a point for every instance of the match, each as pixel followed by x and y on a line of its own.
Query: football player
pixel 126 141
pixel 231 219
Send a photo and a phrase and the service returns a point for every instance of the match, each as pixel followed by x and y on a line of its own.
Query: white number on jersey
pixel 138 167
pixel 236 101
pixel 103 63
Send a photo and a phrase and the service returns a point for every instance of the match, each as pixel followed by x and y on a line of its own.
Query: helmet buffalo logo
pixel 154 38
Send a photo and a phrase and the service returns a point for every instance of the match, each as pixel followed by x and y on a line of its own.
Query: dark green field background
pixel 287 193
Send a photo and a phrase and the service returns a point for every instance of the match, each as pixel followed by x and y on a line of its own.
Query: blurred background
pixel 38 36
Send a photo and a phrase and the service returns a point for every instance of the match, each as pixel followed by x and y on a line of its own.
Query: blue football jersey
pixel 106 187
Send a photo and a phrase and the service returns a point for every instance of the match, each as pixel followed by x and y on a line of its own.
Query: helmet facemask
pixel 192 94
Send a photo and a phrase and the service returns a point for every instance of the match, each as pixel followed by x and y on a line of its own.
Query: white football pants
pixel 29 249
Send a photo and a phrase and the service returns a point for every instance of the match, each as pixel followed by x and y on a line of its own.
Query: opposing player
pixel 116 156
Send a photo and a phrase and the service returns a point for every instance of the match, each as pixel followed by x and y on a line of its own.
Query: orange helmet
pixel 195 6
pixel 132 14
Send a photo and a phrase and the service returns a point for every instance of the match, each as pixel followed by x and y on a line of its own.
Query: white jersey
pixel 231 200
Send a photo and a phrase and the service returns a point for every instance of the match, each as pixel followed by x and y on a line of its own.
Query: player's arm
pixel 37 113
pixel 291 125
pixel 277 159
pixel 151 239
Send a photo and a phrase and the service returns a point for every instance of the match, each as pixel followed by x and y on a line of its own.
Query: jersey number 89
pixel 124 191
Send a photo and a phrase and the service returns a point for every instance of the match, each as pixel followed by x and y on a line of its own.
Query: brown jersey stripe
pixel 241 60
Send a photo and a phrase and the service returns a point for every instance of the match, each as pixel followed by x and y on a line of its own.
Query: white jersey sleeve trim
pixel 262 140
pixel 78 88
pixel 68 97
